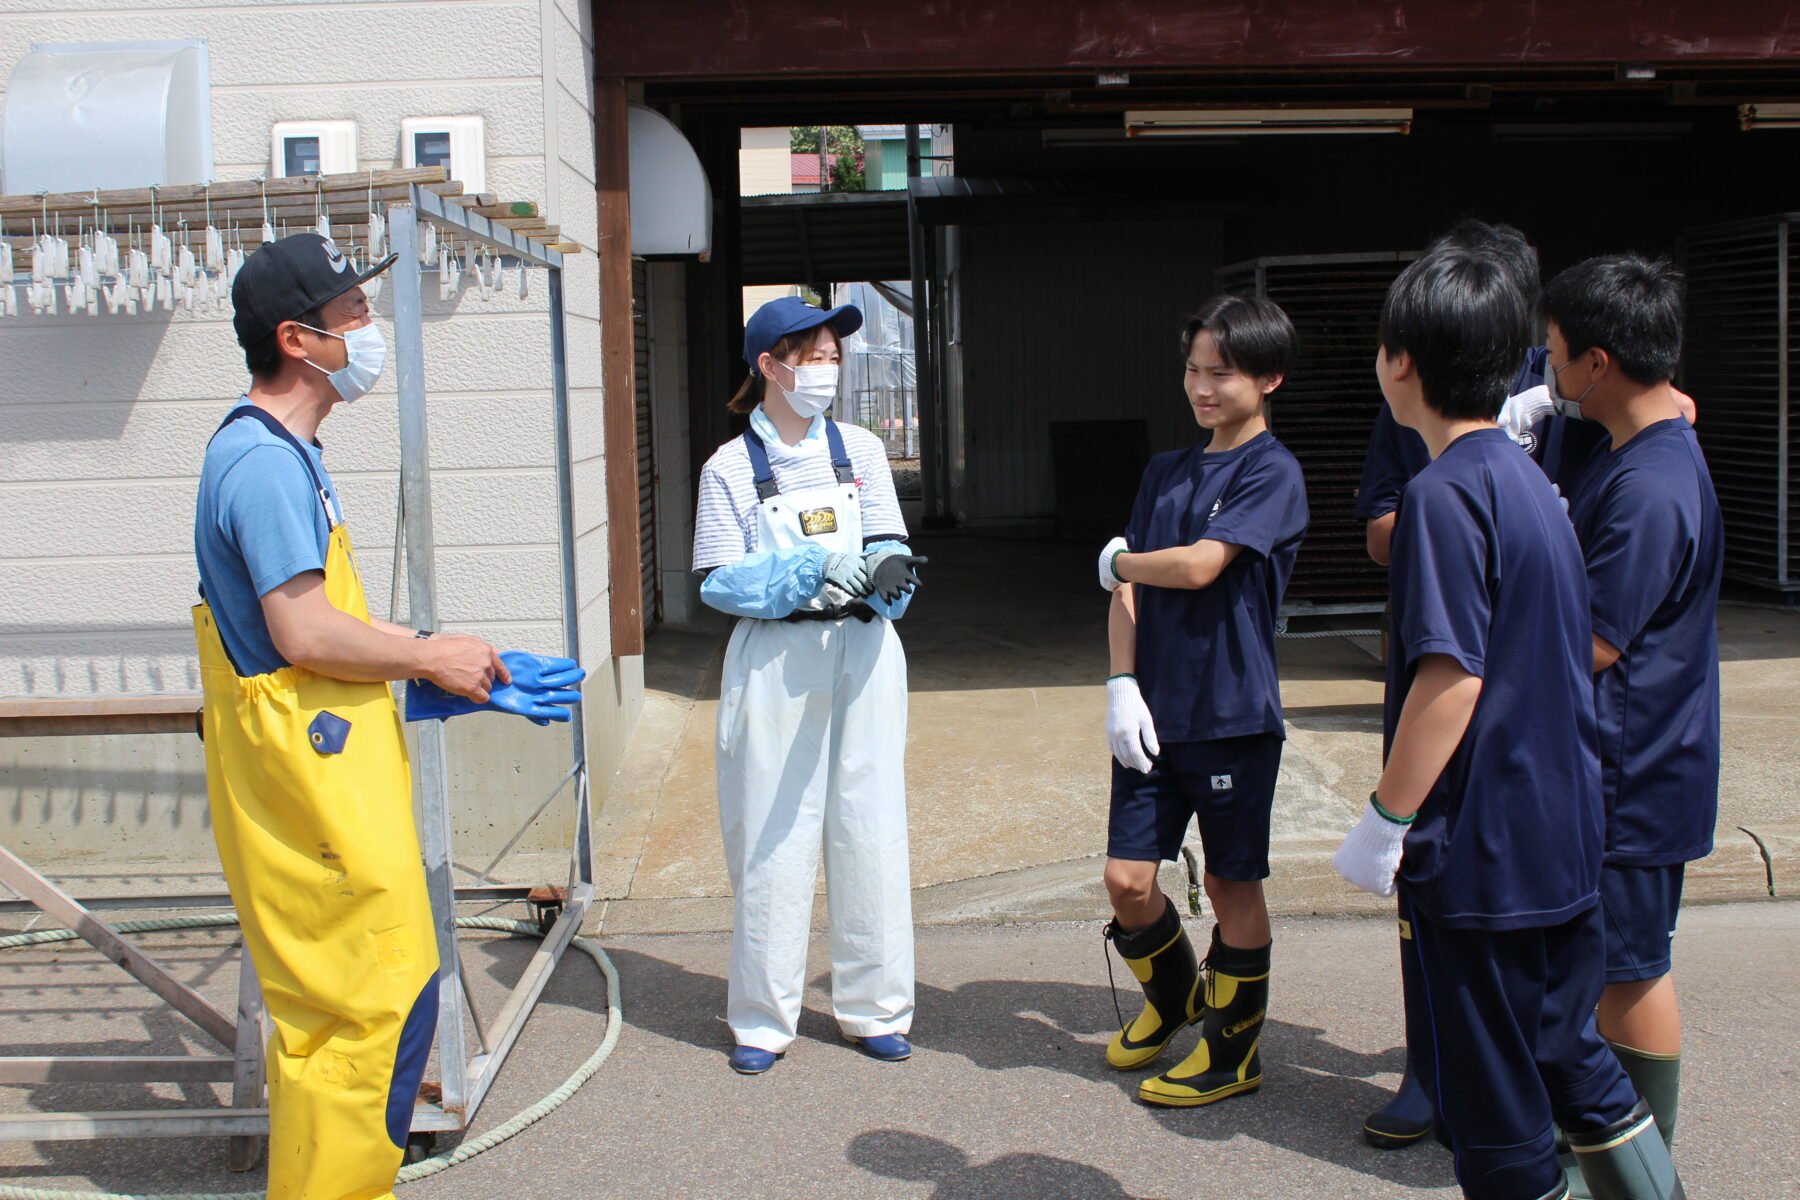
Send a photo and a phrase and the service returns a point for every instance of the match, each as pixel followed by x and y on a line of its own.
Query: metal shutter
pixel 1741 328
pixel 646 445
pixel 1325 411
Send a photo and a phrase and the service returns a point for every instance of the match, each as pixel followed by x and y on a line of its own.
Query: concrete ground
pixel 1007 766
pixel 1007 1096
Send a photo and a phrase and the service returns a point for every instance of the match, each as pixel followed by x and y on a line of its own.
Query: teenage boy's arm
pixel 1192 567
pixel 1379 538
pixel 1432 723
pixel 1605 654
pixel 1121 631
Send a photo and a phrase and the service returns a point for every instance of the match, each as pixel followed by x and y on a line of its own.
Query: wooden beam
pixel 518 208
pixel 612 154
pixel 53 716
pixel 197 193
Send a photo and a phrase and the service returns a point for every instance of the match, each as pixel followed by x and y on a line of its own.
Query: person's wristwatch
pixel 421 633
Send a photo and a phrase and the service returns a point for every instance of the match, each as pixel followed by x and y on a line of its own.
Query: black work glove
pixel 893 574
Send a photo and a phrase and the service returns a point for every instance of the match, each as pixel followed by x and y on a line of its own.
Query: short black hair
pixel 1502 241
pixel 1253 334
pixel 263 356
pixel 1628 305
pixel 1460 315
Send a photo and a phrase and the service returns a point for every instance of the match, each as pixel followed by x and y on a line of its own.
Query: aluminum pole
pixel 429 771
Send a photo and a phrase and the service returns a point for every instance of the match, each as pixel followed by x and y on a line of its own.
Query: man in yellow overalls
pixel 306 770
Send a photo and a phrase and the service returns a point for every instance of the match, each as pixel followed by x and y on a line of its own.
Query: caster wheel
pixel 419 1146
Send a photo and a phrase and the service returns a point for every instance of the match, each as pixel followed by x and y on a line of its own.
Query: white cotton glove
pixel 1370 855
pixel 1129 729
pixel 1108 580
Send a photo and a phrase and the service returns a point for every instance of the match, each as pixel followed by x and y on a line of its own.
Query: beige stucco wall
pixel 103 421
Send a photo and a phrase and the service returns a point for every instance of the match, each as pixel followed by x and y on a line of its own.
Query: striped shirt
pixel 725 517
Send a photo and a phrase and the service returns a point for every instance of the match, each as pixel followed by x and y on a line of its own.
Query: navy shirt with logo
pixel 1206 656
pixel 1560 445
pixel 1487 570
pixel 1651 532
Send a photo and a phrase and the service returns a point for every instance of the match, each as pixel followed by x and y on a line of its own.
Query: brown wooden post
pixel 612 153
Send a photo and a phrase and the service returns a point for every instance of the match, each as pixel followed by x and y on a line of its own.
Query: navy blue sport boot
pixel 752 1060
pixel 1406 1118
pixel 888 1047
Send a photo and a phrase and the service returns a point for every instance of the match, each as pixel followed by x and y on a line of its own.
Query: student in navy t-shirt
pixel 1194 704
pixel 1488 811
pixel 1653 539
pixel 1397 453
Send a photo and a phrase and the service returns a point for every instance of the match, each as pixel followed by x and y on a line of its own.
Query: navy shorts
pixel 1227 783
pixel 1640 905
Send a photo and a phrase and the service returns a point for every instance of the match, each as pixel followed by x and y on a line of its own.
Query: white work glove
pixel 1108 580
pixel 1129 729
pixel 1370 855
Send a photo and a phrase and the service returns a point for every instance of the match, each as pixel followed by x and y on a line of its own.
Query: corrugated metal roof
pixel 829 237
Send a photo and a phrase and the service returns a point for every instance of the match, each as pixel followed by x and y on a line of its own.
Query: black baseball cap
pixel 790 314
pixel 290 277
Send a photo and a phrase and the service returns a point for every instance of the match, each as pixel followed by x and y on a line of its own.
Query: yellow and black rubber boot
pixel 1162 958
pixel 1225 1063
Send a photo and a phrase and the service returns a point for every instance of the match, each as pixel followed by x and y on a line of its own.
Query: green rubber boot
pixel 1162 959
pixel 1657 1078
pixel 1225 1063
pixel 1627 1160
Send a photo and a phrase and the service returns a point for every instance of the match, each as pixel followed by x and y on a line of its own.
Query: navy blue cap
pixel 790 314
pixel 287 279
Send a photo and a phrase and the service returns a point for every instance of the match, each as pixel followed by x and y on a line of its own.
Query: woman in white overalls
pixel 799 533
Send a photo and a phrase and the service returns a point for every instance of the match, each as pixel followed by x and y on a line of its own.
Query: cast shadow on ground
pixel 918 1158
pixel 1312 1102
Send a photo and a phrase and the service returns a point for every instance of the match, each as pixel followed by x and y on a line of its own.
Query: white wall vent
pixel 671 201
pixel 312 148
pixel 457 144
pixel 85 115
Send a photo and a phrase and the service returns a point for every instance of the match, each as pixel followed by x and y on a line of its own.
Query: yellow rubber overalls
pixel 311 801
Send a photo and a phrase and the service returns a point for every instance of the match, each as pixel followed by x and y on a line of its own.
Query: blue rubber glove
pixel 893 610
pixel 541 672
pixel 769 584
pixel 538 692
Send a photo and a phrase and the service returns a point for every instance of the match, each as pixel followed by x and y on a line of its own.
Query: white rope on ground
pixel 415 1171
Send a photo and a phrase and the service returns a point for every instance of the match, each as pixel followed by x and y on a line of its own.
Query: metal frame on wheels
pixel 470 1051
pixel 468 1067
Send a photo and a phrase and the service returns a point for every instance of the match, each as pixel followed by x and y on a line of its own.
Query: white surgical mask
pixel 1564 405
pixel 815 387
pixel 367 351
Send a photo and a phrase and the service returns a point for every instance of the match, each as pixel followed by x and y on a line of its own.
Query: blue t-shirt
pixel 259 521
pixel 1486 570
pixel 1562 446
pixel 1206 656
pixel 1397 453
pixel 1650 529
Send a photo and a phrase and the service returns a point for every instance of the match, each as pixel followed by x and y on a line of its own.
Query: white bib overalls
pixel 811 748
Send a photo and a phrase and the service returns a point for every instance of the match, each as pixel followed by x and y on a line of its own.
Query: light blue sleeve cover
pixel 897 609
pixel 768 584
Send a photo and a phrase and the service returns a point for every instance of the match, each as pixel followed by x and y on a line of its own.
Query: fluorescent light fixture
pixel 1237 122
pixel 1769 116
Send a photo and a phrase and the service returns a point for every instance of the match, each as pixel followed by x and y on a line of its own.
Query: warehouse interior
pixel 1090 210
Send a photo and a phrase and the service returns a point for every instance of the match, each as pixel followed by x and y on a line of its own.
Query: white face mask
pixel 1564 405
pixel 367 351
pixel 815 387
